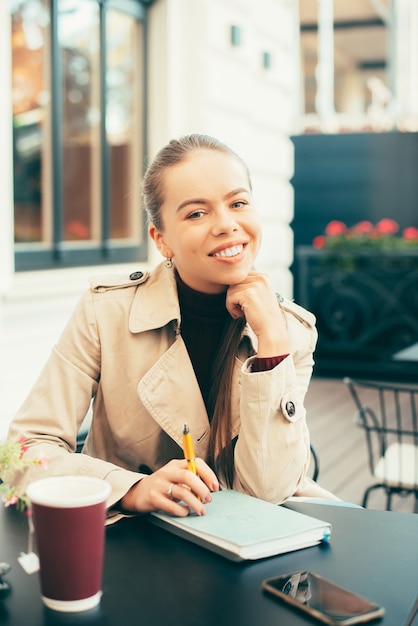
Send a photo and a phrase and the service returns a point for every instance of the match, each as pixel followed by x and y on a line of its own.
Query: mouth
pixel 228 253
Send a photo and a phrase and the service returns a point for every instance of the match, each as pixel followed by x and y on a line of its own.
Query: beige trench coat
pixel 123 348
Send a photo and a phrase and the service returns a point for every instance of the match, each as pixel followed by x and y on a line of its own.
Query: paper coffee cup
pixel 69 519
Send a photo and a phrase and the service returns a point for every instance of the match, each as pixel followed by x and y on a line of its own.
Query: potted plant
pixel 349 247
pixel 12 460
pixel 361 282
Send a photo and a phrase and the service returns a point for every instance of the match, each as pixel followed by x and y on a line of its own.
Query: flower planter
pixel 366 305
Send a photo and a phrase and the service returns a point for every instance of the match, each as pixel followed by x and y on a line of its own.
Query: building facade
pixel 92 89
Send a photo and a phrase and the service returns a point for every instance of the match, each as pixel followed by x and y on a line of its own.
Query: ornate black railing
pixel 366 307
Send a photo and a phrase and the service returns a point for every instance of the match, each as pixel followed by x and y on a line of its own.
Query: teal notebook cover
pixel 241 527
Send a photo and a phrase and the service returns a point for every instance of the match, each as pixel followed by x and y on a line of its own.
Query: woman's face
pixel 210 226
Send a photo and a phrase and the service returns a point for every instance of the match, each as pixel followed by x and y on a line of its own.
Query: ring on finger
pixel 170 491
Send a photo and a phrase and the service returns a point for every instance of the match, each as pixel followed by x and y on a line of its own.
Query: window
pixel 78 138
pixel 351 77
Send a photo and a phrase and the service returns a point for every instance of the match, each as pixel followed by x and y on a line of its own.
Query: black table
pixel 152 577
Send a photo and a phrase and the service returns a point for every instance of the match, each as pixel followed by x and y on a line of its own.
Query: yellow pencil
pixel 188 449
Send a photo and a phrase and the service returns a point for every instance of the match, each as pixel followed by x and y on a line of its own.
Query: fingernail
pixel 208 498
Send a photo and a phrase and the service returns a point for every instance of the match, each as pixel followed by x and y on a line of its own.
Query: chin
pixel 237 277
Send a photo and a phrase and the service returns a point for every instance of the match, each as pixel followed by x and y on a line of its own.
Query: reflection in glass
pixel 79 39
pixel 123 123
pixel 98 168
pixel 31 97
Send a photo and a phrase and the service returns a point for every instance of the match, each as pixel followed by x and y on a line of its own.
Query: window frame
pixel 61 254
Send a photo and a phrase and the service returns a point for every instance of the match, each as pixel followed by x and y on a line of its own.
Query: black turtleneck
pixel 203 320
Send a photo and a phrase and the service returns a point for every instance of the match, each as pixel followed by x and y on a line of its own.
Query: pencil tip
pixel 185 429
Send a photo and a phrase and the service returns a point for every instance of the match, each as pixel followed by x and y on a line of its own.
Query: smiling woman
pixel 208 222
pixel 202 339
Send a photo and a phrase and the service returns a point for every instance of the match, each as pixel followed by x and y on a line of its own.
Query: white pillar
pixel 325 69
pixel 6 152
pixel 405 63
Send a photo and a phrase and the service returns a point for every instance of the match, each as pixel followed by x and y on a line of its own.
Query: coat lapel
pixel 171 394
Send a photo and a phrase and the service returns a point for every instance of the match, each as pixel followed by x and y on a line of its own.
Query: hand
pixel 256 299
pixel 172 483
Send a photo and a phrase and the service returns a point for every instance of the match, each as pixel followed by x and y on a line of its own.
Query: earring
pixel 169 263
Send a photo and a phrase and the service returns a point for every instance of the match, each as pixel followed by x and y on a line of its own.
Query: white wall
pixel 6 180
pixel 199 82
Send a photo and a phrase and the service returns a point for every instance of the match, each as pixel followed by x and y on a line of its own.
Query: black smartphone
pixel 322 599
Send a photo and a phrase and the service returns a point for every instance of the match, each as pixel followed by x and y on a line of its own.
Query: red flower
pixel 363 228
pixel 386 226
pixel 365 236
pixel 335 228
pixel 319 241
pixel 410 233
pixel 77 229
pixel 22 446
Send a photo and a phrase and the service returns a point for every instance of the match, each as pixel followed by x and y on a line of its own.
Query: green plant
pixel 366 236
pixel 12 460
pixel 352 247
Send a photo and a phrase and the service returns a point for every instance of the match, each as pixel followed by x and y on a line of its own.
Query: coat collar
pixel 156 302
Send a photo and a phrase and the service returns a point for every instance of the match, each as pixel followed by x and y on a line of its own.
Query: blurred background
pixel 320 97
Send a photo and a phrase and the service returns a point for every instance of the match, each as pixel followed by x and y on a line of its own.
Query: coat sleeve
pixel 50 417
pixel 272 451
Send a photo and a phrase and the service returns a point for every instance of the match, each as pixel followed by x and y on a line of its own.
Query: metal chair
pixel 388 413
pixel 314 463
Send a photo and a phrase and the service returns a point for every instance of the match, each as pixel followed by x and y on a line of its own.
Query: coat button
pixel 136 275
pixel 290 408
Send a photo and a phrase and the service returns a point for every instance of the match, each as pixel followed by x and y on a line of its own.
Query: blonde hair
pixel 219 405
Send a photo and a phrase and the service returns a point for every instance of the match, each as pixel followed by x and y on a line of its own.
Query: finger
pixel 207 474
pixel 177 471
pixel 187 501
pixel 235 310
pixel 191 483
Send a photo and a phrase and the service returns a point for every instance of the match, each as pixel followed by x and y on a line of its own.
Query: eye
pixel 195 215
pixel 239 204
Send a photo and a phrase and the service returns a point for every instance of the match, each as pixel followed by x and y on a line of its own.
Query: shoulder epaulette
pixel 306 317
pixel 118 281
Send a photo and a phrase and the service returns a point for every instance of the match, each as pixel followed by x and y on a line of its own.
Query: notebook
pixel 241 527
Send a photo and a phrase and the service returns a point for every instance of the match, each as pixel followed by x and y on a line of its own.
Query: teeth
pixel 230 251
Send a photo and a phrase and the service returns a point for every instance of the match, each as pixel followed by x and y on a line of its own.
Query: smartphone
pixel 322 599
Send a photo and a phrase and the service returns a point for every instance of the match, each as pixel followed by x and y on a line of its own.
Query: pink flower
pixel 386 226
pixel 10 500
pixel 335 228
pixel 42 460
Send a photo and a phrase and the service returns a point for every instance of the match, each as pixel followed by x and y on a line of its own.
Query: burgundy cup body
pixel 69 520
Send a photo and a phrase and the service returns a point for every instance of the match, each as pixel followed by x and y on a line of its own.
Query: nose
pixel 224 222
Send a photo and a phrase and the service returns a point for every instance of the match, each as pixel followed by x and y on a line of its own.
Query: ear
pixel 158 238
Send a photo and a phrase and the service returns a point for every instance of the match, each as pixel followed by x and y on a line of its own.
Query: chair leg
pixel 367 493
pixel 388 500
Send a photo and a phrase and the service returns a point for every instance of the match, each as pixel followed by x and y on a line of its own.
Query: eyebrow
pixel 230 194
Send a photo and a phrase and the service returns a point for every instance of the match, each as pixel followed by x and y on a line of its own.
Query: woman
pixel 203 340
